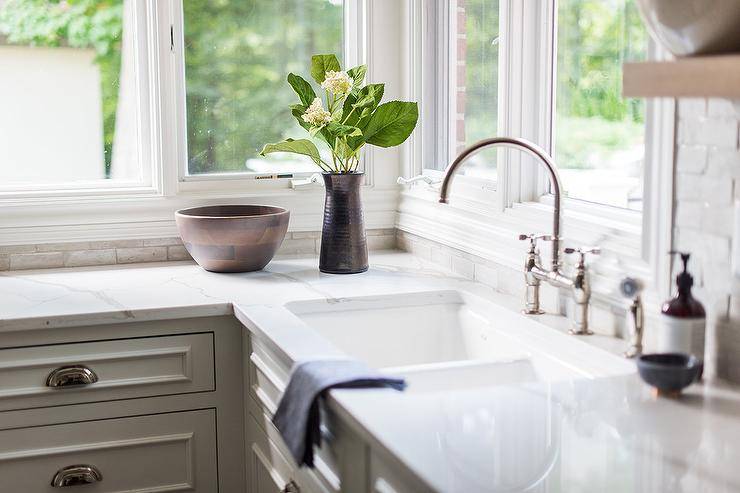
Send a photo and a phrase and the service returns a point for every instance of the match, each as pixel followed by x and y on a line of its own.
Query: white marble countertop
pixel 607 434
pixel 96 295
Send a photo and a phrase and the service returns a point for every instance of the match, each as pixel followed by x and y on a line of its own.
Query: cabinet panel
pixel 389 476
pixel 271 471
pixel 268 380
pixel 62 374
pixel 164 452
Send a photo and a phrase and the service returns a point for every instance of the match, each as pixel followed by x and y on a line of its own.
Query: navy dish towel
pixel 297 417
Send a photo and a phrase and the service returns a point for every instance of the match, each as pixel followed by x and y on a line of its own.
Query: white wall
pixel 707 184
pixel 51 127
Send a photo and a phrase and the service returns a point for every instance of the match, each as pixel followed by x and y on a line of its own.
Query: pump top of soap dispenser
pixel 684 305
pixel 684 280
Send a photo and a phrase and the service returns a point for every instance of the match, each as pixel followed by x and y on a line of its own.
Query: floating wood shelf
pixel 705 76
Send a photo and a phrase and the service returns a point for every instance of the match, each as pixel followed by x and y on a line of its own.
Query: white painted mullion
pixel 658 186
pixel 547 56
pixel 358 35
pixel 509 120
pixel 443 84
pixel 504 103
pixel 413 152
pixel 171 103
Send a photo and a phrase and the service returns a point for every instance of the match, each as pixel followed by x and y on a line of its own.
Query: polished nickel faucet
pixel 534 273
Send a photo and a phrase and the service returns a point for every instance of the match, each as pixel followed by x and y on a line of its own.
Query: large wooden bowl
pixel 232 238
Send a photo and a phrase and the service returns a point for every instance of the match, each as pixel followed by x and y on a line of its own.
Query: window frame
pixel 521 203
pixel 146 212
pixel 354 53
pixel 143 11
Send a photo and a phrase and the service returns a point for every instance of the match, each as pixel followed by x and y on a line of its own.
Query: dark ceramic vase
pixel 343 240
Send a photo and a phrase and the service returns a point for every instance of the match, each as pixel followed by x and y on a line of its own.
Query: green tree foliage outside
pixel 236 57
pixel 595 38
pixel 93 24
pixel 481 69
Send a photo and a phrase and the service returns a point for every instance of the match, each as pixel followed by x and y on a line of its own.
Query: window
pixel 460 82
pixel 237 55
pixel 599 136
pixel 476 79
pixel 116 113
pixel 556 67
pixel 553 77
pixel 117 97
pixel 68 95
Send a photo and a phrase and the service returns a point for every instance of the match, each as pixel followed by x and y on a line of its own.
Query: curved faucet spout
pixel 533 150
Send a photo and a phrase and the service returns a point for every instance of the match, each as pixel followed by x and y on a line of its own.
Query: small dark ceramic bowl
pixel 232 238
pixel 669 373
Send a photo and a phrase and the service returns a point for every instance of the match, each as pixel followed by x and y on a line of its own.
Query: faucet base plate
pixel 533 312
pixel 580 332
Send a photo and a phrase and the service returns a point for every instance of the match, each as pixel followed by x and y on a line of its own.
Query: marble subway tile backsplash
pixel 97 253
pixel 707 184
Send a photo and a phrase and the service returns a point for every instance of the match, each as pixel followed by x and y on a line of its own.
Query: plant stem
pixel 348 115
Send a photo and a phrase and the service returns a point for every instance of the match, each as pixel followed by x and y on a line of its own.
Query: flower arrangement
pixel 349 116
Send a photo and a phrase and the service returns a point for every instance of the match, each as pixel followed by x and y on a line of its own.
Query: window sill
pixel 49 220
pixel 491 234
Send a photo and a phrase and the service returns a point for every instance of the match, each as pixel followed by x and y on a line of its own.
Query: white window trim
pixel 143 11
pixel 148 211
pixel 632 245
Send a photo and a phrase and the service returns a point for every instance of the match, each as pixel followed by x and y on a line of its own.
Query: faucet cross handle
pixel 582 252
pixel 533 238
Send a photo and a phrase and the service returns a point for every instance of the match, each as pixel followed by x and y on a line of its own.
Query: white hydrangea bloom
pixel 316 115
pixel 338 83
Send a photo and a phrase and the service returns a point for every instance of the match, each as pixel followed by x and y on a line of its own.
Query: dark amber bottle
pixel 683 319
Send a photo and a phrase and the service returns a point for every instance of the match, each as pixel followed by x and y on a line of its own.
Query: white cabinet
pixel 163 452
pixel 270 471
pixel 386 475
pixel 54 375
pixel 126 407
pixel 342 454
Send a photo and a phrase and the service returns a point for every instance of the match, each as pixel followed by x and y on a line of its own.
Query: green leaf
pixel 297 110
pixel 339 130
pixel 357 74
pixel 363 103
pixel 320 64
pixel 391 124
pixel 303 88
pixel 355 142
pixel 369 96
pixel 300 146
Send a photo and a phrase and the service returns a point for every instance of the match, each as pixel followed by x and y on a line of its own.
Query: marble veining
pixel 602 434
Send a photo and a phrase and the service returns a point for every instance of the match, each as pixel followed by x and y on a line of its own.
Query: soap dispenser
pixel 682 319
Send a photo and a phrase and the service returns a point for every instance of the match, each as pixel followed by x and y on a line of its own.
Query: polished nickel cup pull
pixel 71 376
pixel 76 475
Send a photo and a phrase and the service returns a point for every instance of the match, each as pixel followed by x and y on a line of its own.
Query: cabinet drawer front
pixel 106 370
pixel 164 452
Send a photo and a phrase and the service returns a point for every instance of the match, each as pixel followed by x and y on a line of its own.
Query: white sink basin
pixel 468 376
pixel 418 329
pixel 445 340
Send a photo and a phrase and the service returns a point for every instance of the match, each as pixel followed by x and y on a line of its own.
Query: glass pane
pixel 237 57
pixel 65 67
pixel 599 136
pixel 476 82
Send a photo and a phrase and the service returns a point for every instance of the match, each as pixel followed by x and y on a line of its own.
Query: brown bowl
pixel 232 238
